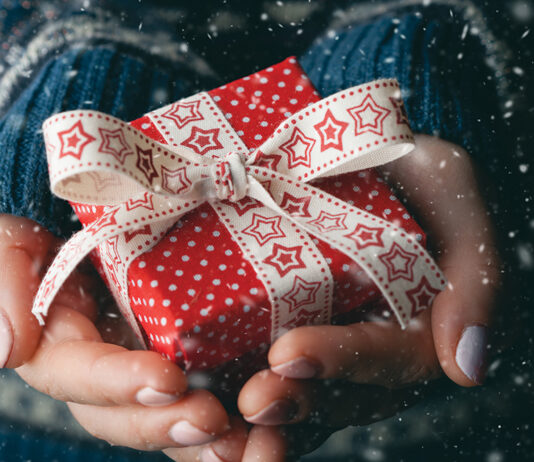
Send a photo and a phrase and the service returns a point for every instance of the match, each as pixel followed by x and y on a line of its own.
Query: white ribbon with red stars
pixel 262 196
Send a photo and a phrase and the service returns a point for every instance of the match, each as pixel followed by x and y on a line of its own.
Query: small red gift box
pixel 195 295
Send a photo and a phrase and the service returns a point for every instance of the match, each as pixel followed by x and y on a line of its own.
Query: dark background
pixel 491 424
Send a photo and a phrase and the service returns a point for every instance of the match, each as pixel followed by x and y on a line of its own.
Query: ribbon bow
pixel 261 195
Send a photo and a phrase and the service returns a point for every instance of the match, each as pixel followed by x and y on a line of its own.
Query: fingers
pixel 197 419
pixel 438 178
pixel 74 365
pixel 265 444
pixel 25 250
pixel 460 319
pixel 267 399
pixel 227 448
pixel 334 403
pixel 24 246
pixel 377 353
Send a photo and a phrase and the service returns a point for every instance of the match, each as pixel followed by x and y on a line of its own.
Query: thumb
pixel 440 181
pixel 24 246
pixel 461 314
pixel 26 250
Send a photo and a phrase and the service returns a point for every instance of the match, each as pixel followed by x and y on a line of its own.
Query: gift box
pixel 194 293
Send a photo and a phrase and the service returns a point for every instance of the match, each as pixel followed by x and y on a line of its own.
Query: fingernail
pixel 187 435
pixel 299 368
pixel 278 412
pixel 209 455
pixel 471 353
pixel 6 340
pixel 150 397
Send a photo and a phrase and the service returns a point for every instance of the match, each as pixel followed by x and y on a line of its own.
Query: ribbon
pixel 262 196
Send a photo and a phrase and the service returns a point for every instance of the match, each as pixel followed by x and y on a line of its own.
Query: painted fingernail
pixel 209 455
pixel 150 397
pixel 187 435
pixel 278 412
pixel 299 368
pixel 6 340
pixel 471 353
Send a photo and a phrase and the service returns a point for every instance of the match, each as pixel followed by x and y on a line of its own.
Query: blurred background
pixel 493 423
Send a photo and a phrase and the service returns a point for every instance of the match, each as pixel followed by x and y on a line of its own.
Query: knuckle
pixel 301 340
pixel 137 434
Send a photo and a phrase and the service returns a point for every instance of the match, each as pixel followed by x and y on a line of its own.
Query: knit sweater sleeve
pixel 59 58
pixel 449 78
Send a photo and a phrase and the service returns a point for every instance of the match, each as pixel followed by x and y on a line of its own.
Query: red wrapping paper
pixel 196 298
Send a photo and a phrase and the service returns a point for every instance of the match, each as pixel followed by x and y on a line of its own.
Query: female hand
pixel 129 398
pixel 377 358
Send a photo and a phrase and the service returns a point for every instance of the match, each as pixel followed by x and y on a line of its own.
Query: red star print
pixel 112 275
pixel 48 286
pixel 183 113
pixel 114 142
pixel 266 184
pixel 71 179
pixel 285 259
pixel 270 161
pixel 145 202
pixel 302 293
pixel 175 181
pixel 400 111
pixel 103 180
pixel 369 116
pixel 108 219
pixel 70 252
pixel 112 251
pixel 331 132
pixel 422 296
pixel 146 164
pixel 298 149
pixel 50 148
pixel 263 229
pixel 326 222
pixel 129 235
pixel 244 205
pixel 304 318
pixel 202 141
pixel 297 207
pixel 74 140
pixel 365 236
pixel 399 263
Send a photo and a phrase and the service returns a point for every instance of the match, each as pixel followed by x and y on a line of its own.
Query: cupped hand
pixel 129 398
pixel 351 375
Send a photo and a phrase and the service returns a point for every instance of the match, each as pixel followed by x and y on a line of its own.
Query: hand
pixel 132 398
pixel 129 398
pixel 438 180
pixel 24 247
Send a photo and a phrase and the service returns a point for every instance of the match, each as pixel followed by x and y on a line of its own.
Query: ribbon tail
pixel 67 259
pixel 402 270
pixel 116 221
